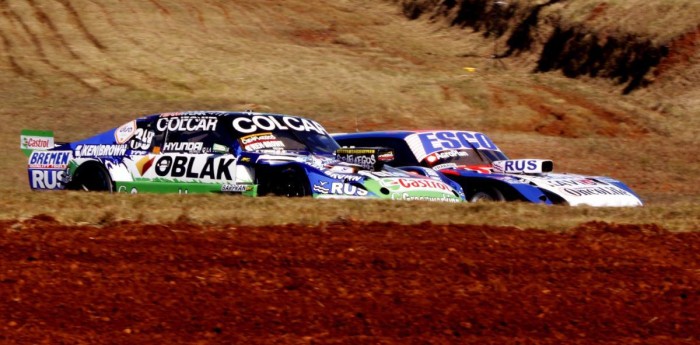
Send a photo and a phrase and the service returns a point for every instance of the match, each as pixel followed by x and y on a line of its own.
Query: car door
pixel 184 154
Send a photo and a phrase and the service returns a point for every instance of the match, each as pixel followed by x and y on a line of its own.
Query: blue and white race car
pixel 486 173
pixel 225 152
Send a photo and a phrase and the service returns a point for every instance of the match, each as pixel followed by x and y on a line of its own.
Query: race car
pixel 225 152
pixel 485 172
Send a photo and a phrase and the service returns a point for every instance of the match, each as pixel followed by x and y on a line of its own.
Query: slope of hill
pixel 82 66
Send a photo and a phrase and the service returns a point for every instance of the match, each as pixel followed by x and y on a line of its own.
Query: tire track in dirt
pixel 155 80
pixel 12 61
pixel 75 19
pixel 55 34
pixel 44 19
pixel 108 18
pixel 551 119
pixel 42 57
pixel 161 8
pixel 221 7
pixel 200 17
pixel 150 78
pixel 607 116
pixel 105 76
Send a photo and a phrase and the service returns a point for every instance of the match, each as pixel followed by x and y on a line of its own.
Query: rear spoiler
pixel 31 140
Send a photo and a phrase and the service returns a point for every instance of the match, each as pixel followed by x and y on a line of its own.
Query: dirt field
pixel 346 282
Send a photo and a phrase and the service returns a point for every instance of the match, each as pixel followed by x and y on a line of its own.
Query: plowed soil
pixel 346 282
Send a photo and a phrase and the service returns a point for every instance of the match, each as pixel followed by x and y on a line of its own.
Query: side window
pixel 402 154
pixel 198 141
pixel 187 142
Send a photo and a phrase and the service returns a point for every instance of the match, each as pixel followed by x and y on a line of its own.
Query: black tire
pixel 289 182
pixel 486 194
pixel 92 177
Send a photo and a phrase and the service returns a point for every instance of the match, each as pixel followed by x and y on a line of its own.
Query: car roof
pixel 397 134
pixel 222 113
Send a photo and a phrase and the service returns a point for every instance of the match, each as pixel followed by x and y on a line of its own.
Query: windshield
pixel 289 140
pixel 461 157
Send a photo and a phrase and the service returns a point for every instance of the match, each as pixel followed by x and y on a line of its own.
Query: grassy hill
pixel 83 66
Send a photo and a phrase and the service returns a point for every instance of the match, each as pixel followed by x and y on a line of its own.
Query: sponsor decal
pixel 347 189
pixel 339 188
pixel 366 162
pixel 445 166
pixel 175 113
pixel 342 176
pixel 49 159
pixel 389 173
pixel 184 166
pixel 143 164
pixel 386 156
pixel 190 113
pixel 425 143
pixel 321 187
pixel 37 143
pixel 261 141
pixel 124 189
pixel 138 152
pixel 526 166
pixel 602 190
pixel 220 148
pixel 31 140
pixel 184 146
pixel 420 184
pixel 236 188
pixel 366 157
pixel 46 179
pixel 581 187
pixel 406 196
pixel 250 124
pixel 99 150
pixel 124 132
pixel 515 165
pixel 187 123
pixel 573 183
pixel 343 169
pixel 450 154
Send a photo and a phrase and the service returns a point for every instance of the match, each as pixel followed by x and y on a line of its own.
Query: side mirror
pixel 523 166
pixel 371 158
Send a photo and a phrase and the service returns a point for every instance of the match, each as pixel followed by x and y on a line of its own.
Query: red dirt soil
pixel 346 282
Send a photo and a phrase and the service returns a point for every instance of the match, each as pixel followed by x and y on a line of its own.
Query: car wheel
pixel 489 194
pixel 92 177
pixel 292 183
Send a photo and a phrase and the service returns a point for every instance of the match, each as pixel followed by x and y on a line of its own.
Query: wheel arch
pixel 528 193
pixel 88 169
pixel 270 178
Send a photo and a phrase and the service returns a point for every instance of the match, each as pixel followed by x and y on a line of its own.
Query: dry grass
pixel 226 209
pixel 658 20
pixel 79 67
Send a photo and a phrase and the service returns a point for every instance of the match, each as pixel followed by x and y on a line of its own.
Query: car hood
pixel 598 191
pixel 411 188
pixel 338 179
